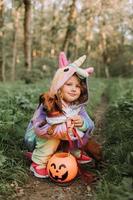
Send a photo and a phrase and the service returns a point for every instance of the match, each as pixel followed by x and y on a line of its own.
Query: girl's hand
pixel 77 120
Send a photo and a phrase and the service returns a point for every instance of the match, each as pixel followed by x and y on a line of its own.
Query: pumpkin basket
pixel 62 167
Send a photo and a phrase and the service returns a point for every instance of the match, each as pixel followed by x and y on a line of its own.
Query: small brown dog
pixel 52 106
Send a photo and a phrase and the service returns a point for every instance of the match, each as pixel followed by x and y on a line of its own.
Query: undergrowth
pixel 17 103
pixel 117 179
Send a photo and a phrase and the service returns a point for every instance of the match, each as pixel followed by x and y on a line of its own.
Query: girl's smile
pixel 71 90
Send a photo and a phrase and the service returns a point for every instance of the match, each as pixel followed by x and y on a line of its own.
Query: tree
pixel 27 34
pixel 70 27
pixel 15 14
pixel 2 59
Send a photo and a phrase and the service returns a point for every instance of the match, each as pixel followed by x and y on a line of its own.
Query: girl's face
pixel 71 90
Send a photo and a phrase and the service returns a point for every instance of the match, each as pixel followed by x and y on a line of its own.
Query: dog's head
pixel 50 103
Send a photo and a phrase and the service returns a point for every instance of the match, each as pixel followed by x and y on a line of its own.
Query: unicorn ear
pixel 63 62
pixel 89 70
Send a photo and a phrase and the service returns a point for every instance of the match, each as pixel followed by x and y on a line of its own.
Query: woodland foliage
pixel 34 32
pixel 116 181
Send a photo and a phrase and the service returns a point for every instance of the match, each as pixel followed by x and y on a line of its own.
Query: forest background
pixel 32 34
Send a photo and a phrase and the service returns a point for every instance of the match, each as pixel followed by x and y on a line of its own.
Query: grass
pixel 97 87
pixel 17 104
pixel 117 179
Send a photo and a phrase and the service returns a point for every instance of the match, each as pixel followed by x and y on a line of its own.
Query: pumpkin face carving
pixel 62 167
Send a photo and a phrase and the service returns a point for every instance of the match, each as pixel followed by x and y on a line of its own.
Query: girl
pixel 61 116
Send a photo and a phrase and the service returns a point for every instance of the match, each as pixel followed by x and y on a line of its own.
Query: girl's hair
pixel 84 93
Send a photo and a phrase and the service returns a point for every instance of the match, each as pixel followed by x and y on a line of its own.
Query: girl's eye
pixel 69 84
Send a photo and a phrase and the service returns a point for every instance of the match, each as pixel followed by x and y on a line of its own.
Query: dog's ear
pixel 58 102
pixel 41 99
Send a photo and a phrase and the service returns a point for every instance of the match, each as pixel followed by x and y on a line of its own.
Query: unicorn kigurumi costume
pixel 47 141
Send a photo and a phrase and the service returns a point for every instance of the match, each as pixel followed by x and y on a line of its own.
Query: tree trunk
pixel 15 34
pixel 70 27
pixel 53 31
pixel 104 53
pixel 2 63
pixel 107 72
pixel 89 35
pixel 27 34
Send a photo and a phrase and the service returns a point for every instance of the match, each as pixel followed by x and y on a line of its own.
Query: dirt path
pixel 38 189
pixel 44 189
pixel 99 117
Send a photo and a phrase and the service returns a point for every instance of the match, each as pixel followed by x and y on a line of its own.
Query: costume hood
pixel 66 70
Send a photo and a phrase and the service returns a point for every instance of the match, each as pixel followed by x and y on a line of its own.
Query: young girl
pixel 62 116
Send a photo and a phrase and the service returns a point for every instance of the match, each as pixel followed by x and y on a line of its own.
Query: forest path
pixel 41 189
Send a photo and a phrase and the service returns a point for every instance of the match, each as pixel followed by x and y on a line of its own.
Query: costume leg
pixel 76 152
pixel 43 151
pixel 81 156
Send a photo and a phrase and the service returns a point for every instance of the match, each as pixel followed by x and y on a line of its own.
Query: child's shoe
pixel 38 172
pixel 84 159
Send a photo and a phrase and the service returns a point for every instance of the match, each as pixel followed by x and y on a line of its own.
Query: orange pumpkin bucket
pixel 62 167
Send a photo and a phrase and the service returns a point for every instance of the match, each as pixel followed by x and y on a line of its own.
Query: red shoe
pixel 84 159
pixel 38 172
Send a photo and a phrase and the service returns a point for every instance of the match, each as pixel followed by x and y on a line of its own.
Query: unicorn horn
pixel 79 61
